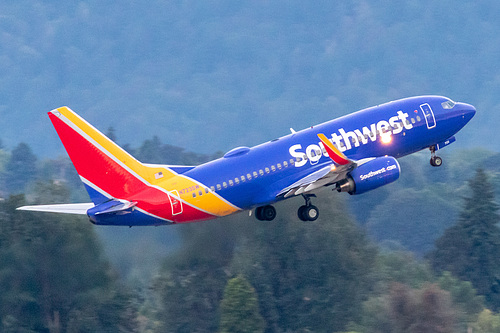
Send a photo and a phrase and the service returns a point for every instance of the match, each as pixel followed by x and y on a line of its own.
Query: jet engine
pixel 370 175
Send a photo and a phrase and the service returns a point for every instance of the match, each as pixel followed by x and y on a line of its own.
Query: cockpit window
pixel 449 104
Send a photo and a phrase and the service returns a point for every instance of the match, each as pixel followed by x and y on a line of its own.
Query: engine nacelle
pixel 371 175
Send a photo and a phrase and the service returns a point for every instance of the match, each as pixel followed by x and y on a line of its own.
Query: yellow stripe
pixel 209 202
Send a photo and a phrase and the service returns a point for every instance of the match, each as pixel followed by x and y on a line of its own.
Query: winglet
pixel 336 155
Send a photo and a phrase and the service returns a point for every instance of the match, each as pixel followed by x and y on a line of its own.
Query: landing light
pixel 386 138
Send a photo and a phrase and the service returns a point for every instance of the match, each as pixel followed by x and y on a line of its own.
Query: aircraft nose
pixel 468 111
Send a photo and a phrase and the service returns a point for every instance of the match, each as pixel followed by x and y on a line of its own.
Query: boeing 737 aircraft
pixel 355 153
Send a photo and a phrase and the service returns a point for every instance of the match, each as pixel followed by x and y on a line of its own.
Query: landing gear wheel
pixel 308 213
pixel 436 161
pixel 265 213
pixel 301 214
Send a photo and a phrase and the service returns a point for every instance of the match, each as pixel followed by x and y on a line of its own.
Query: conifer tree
pixel 470 250
pixel 240 308
pixel 20 169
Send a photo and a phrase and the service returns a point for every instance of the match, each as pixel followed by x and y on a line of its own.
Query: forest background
pixel 180 82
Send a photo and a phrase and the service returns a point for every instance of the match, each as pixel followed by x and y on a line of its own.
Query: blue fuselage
pixel 249 177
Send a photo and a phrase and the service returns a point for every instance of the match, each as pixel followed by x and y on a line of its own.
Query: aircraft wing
pixel 78 208
pixel 326 176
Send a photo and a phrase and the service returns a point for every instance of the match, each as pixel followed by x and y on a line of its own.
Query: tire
pixel 265 213
pixel 436 161
pixel 308 213
pixel 268 213
pixel 301 214
pixel 258 213
pixel 311 213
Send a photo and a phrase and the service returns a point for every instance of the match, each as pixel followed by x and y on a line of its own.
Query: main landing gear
pixel 435 160
pixel 308 212
pixel 265 213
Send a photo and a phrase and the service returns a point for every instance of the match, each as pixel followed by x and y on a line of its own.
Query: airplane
pixel 355 153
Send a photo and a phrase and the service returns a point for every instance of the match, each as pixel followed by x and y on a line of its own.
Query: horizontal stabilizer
pixel 112 207
pixel 78 208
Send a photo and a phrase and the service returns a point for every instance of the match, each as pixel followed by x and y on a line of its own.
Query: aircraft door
pixel 175 202
pixel 430 120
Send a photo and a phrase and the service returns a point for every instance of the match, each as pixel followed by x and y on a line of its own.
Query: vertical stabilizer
pixel 107 170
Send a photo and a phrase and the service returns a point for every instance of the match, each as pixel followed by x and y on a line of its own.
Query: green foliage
pixel 465 300
pixel 240 308
pixel 21 168
pixel 470 249
pixel 412 221
pixel 153 151
pixel 191 282
pixel 409 310
pixel 309 276
pixel 401 267
pixel 487 322
pixel 53 276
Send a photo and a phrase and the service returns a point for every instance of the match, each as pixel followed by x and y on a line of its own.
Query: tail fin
pixel 107 170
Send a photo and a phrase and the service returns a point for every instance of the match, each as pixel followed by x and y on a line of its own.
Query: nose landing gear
pixel 436 161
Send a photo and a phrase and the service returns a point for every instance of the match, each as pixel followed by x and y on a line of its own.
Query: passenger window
pixel 292 161
pixel 224 184
pixel 212 188
pixel 249 176
pixel 413 120
pixel 261 172
pixel 279 166
pixel 267 170
pixel 200 192
pixel 255 174
pixel 418 118
pixel 230 182
pixel 285 164
pixel 273 168
pixel 206 190
pixel 243 178
pixel 236 180
pixel 299 159
pixel 194 194
pixel 219 187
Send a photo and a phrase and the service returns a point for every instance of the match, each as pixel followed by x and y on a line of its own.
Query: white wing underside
pixel 326 176
pixel 78 208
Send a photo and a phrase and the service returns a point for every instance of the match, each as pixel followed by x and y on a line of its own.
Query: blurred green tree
pixel 406 310
pixel 487 322
pixel 470 249
pixel 309 276
pixel 21 169
pixel 54 277
pixel 240 308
